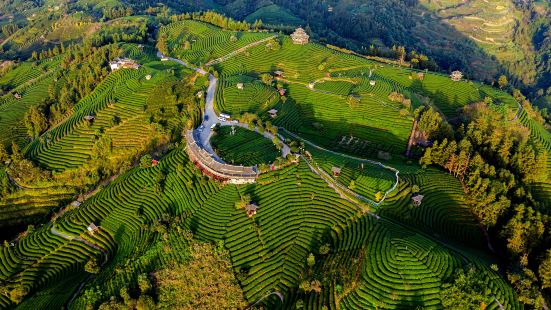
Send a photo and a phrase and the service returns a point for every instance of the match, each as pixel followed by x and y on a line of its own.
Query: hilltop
pixel 369 183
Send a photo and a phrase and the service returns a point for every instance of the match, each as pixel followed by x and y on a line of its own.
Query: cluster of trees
pixel 202 267
pixel 131 31
pixel 175 107
pixel 83 67
pixel 496 163
pixel 116 12
pixel 467 290
pixel 219 20
pixel 9 29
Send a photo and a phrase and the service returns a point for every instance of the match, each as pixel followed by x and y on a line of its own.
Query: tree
pixel 144 284
pixel 16 154
pixel 311 260
pixel 545 271
pixel 415 188
pixel 266 79
pixel 18 293
pixel 145 161
pixel 92 266
pixel 324 249
pixel 36 122
pixel 243 202
pixel 502 81
pixel 187 45
pixel 378 196
pixel 3 154
pixel 467 291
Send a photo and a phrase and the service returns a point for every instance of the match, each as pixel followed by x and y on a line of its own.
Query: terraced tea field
pixel 118 106
pixel 307 229
pixel 206 42
pixel 324 113
pixel 244 147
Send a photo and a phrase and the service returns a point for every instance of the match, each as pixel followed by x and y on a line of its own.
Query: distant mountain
pixel 482 38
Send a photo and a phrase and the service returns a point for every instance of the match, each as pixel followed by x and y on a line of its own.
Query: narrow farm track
pixel 338 188
pixel 79 239
pixel 240 50
pixel 278 294
pixel 396 171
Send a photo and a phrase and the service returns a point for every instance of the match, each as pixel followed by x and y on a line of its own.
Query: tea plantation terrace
pixel 218 170
pixel 198 146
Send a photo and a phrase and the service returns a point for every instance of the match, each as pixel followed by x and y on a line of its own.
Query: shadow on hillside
pixel 396 22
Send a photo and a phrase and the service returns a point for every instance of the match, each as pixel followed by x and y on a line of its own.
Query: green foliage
pixel 467 291
pixel 311 260
pixel 92 266
pixel 245 147
pixel 18 293
pixel 145 161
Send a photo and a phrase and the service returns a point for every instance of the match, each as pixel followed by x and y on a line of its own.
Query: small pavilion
pixel 336 171
pixel 273 113
pixel 92 228
pixel 300 36
pixel 417 199
pixel 456 76
pixel 251 209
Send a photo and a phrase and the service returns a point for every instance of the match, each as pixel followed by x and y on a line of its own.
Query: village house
pixel 278 74
pixel 17 96
pixel 456 76
pixel 417 199
pixel 251 209
pixel 119 63
pixel 300 36
pixel 240 86
pixel 92 228
pixel 148 77
pixel 372 82
pixel 89 118
pixel 336 171
pixel 281 91
pixel 273 113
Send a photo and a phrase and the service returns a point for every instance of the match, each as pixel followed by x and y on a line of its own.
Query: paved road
pixel 210 117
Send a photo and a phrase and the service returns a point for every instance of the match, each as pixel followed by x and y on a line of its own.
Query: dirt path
pixel 17 184
pixel 377 163
pixel 411 137
pixel 238 51
pixel 82 240
pixel 278 294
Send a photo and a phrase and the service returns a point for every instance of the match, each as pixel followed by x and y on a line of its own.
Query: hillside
pixel 195 161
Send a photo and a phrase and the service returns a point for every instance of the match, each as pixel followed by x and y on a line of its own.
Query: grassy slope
pixel 246 147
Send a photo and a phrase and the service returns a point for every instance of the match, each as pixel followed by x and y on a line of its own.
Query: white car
pixel 220 118
pixel 235 121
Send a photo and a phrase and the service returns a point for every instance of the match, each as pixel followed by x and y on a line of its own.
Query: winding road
pixel 209 114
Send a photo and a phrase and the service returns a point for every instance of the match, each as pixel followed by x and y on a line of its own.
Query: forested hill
pixel 482 38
